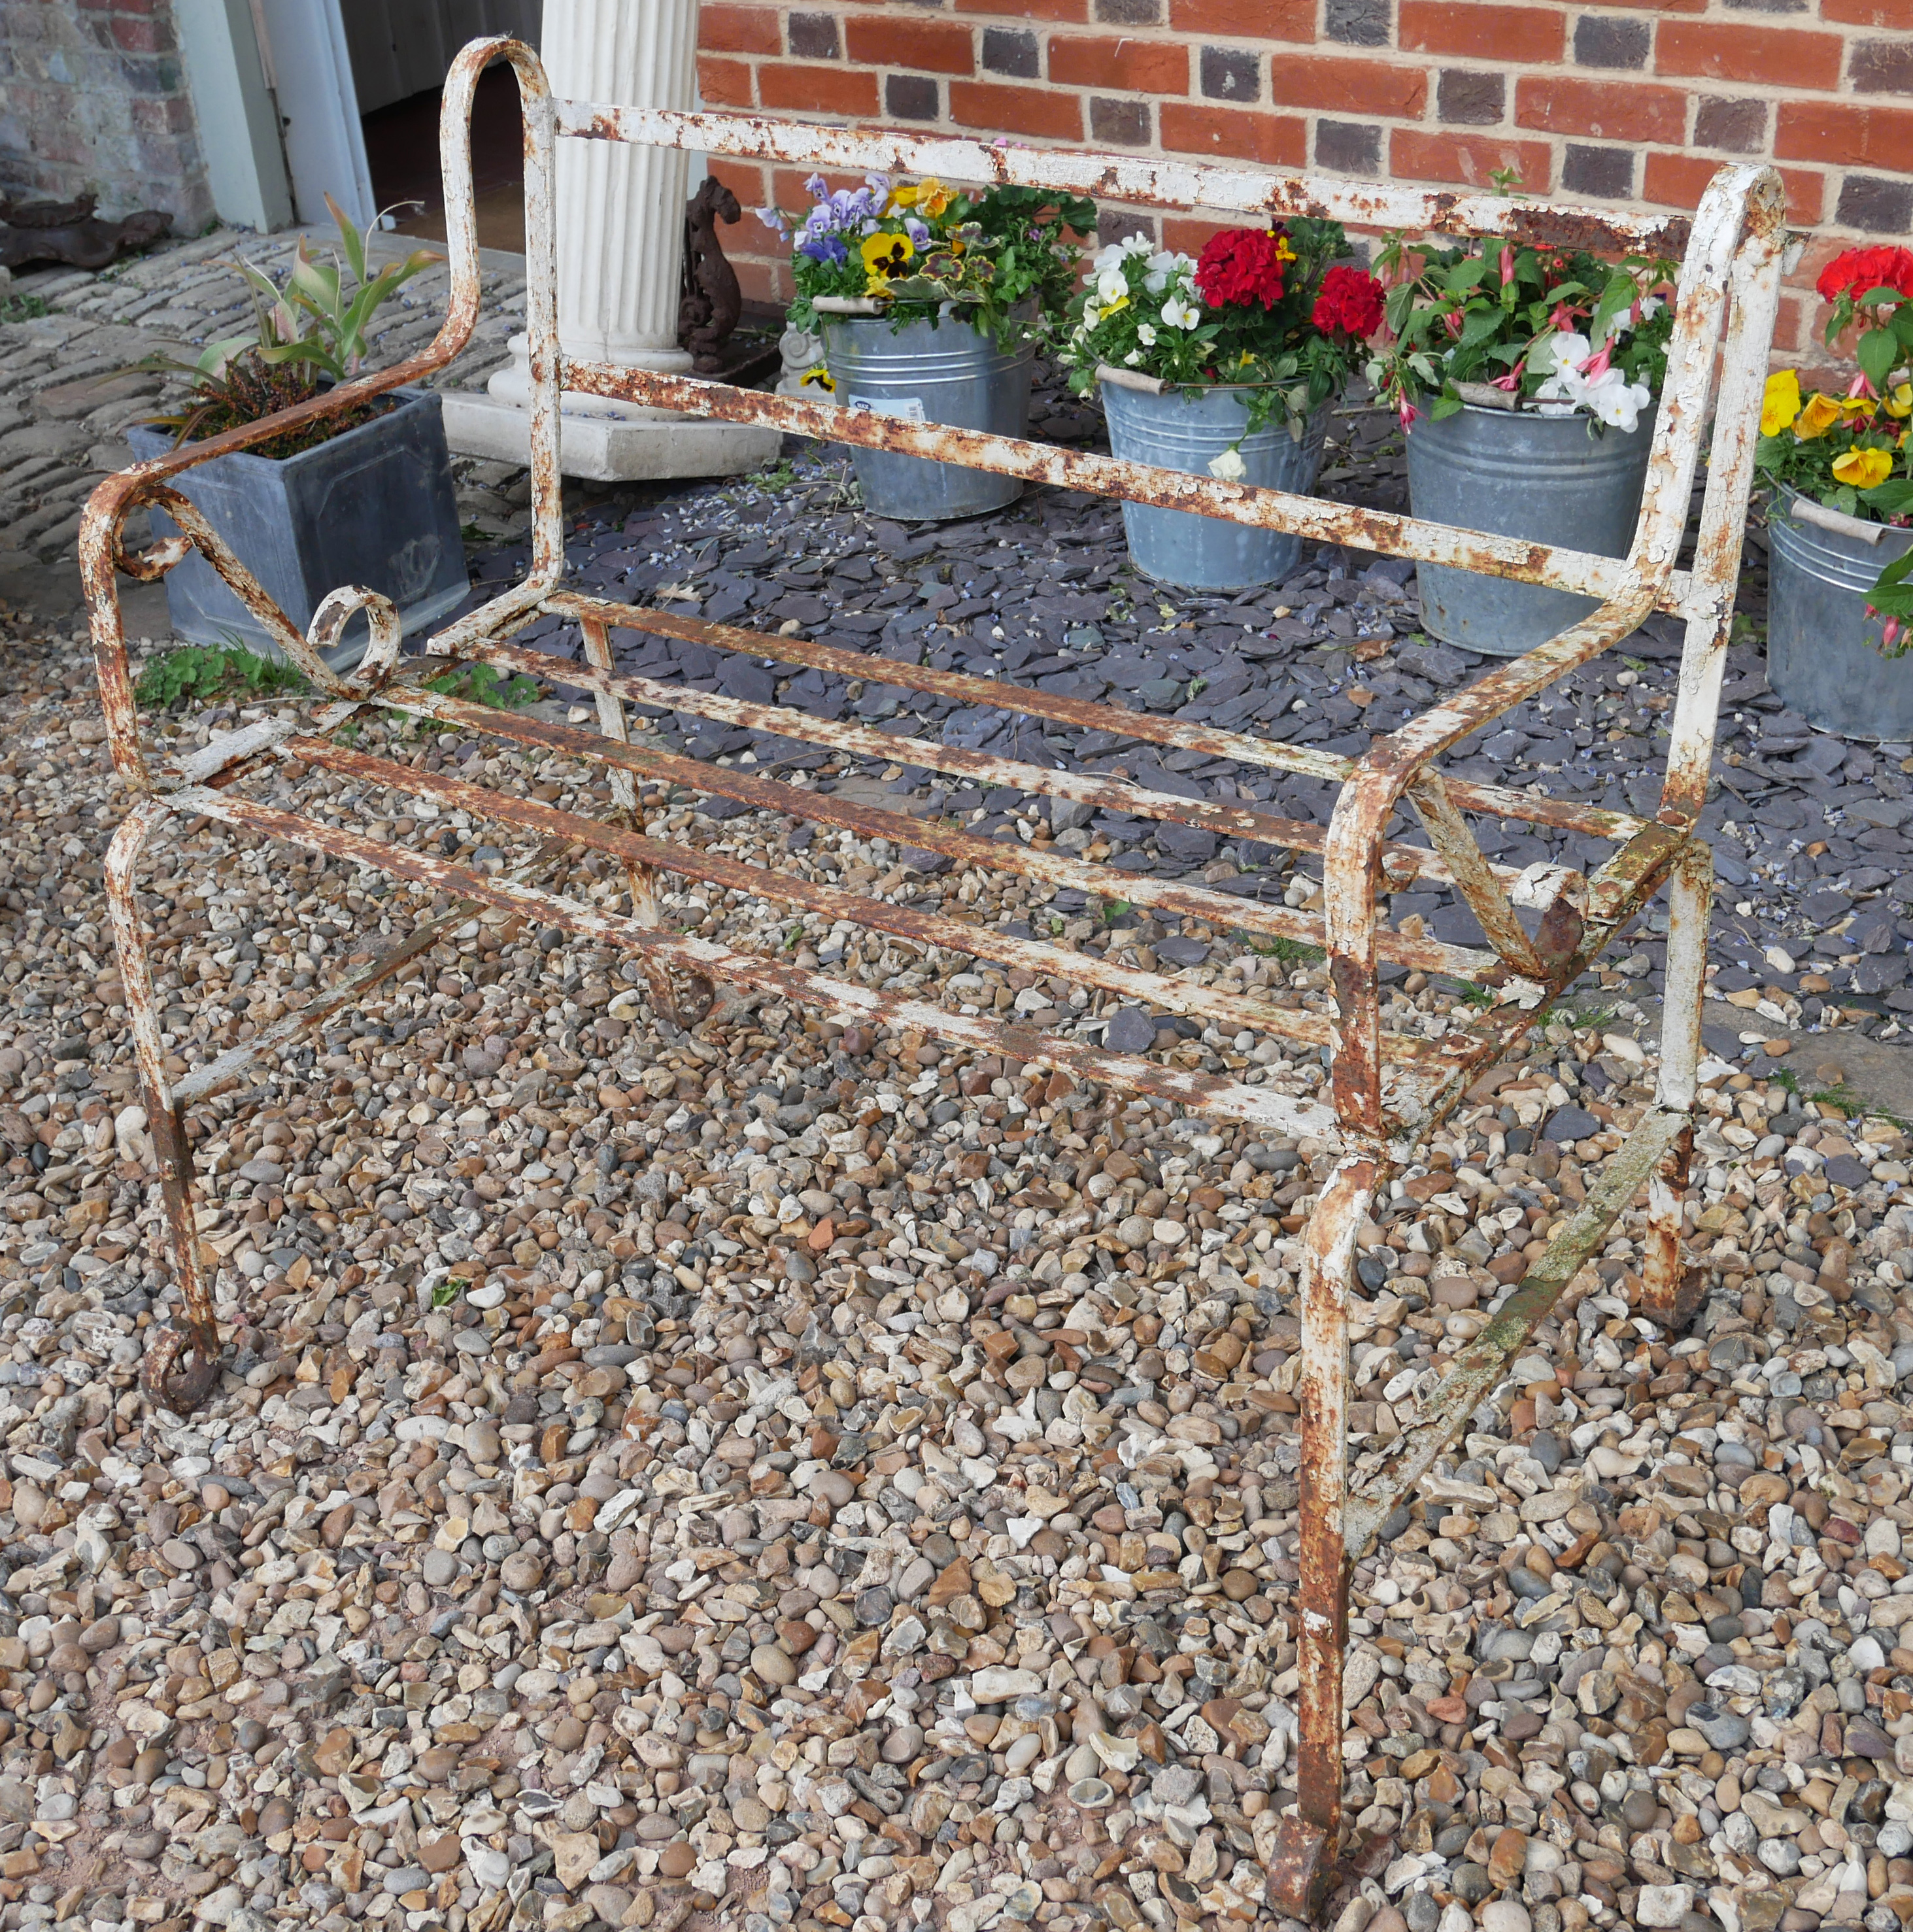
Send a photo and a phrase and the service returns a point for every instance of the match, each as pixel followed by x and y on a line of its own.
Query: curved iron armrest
pixel 102 552
pixel 1735 247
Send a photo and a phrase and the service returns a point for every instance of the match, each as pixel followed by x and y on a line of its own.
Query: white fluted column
pixel 620 212
pixel 621 209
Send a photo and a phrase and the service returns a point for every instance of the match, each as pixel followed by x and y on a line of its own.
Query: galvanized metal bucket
pixel 929 372
pixel 1187 430
pixel 1514 473
pixel 1823 654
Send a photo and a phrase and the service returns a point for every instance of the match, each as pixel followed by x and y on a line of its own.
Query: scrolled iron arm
pixel 104 555
pixel 1744 202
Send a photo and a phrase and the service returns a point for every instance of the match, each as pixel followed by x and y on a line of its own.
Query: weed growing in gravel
pixel 205 673
pixel 477 684
pixel 1844 1100
pixel 1290 952
pixel 24 308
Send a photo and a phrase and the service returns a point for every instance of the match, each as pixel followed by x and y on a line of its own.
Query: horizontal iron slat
pixel 1501 801
pixel 767 794
pixel 723 965
pixel 1314 518
pixel 922 929
pixel 1123 795
pixel 1137 180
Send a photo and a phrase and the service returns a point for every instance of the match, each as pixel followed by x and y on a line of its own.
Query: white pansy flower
pixel 1165 268
pixel 1135 244
pixel 1108 258
pixel 1146 334
pixel 1177 313
pixel 1560 349
pixel 1228 467
pixel 1614 401
pixel 1111 287
pixel 1134 359
pixel 1609 396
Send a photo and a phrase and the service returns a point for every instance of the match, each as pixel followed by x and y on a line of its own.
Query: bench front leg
pixel 1310 1836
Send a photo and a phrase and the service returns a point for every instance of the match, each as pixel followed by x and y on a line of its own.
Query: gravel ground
pixel 780 1476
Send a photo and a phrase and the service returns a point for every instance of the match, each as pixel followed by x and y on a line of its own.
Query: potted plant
pixel 1840 546
pixel 1225 364
pixel 365 499
pixel 930 302
pixel 1526 380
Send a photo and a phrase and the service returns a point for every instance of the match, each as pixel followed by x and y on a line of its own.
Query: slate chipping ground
pixel 779 1477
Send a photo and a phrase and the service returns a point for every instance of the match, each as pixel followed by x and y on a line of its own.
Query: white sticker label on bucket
pixel 911 406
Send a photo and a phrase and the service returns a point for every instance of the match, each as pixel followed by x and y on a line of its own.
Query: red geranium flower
pixel 1861 270
pixel 1242 265
pixel 1351 300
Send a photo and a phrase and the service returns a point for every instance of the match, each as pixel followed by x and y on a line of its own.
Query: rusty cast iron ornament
pixel 1388 1089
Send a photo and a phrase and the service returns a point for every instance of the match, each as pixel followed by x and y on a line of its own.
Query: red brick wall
pixel 93 98
pixel 1627 103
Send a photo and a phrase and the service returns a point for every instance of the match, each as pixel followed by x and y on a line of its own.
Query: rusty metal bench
pixel 1388 1089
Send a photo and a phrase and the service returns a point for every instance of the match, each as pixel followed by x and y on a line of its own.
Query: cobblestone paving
pixel 69 381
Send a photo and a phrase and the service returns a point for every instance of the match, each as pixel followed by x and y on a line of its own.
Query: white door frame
pixel 310 69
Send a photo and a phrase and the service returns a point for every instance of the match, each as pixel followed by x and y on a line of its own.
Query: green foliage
pixel 209 673
pixel 24 308
pixel 311 332
pixel 444 1293
pixel 1479 313
pixel 1290 951
pixel 479 684
pixel 476 684
pixel 1891 598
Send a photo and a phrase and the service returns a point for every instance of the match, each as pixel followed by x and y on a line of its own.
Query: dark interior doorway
pixel 402 152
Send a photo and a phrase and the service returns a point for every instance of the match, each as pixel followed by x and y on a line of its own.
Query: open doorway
pixel 400 52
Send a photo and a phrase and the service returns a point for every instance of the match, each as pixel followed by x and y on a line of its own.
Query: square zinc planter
pixel 373 507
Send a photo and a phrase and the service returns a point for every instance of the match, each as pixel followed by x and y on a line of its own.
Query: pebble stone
pixel 789 1474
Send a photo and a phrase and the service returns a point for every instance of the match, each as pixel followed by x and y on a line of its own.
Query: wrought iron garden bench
pixel 1388 1089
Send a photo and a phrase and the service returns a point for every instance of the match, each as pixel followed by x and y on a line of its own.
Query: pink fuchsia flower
pixel 1407 411
pixel 1597 364
pixel 1511 381
pixel 1452 322
pixel 1507 262
pixel 1562 319
pixel 1860 386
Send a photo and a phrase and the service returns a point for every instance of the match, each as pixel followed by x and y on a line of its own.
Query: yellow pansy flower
pixel 1864 469
pixel 1898 401
pixel 885 257
pixel 1780 402
pixel 1819 415
pixel 932 198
